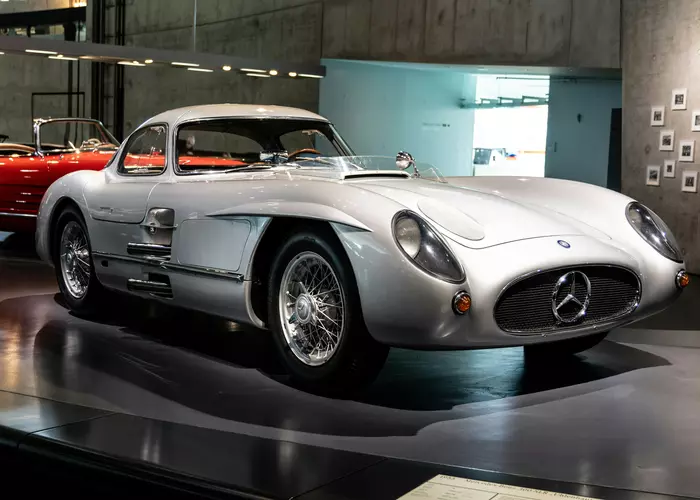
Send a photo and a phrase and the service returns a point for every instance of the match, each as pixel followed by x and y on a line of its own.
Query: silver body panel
pixel 508 228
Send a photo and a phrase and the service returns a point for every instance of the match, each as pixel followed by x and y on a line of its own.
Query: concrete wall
pixel 21 76
pixel 661 40
pixel 579 33
pixel 271 29
pixel 578 150
pixel 383 110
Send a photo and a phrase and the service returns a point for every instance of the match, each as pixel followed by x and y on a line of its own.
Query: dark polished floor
pixel 623 415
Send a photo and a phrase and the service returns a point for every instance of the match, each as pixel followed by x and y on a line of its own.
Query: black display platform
pixel 148 399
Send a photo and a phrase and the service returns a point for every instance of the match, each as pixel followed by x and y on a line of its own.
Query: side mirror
pixel 404 161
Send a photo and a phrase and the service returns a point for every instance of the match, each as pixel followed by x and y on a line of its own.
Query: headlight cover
pixel 653 230
pixel 424 246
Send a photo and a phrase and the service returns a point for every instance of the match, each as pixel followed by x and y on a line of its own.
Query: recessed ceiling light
pixel 190 65
pixel 257 75
pixel 226 68
pixel 293 74
pixel 49 52
pixel 304 75
pixel 149 61
pixel 130 63
pixel 203 70
pixel 249 70
pixel 273 72
pixel 62 58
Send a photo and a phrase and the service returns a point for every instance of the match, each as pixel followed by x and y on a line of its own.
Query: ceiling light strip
pixel 35 51
pixel 202 70
pixel 186 64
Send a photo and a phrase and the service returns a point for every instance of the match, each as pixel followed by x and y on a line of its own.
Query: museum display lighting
pixel 45 52
pixel 144 56
pixel 201 70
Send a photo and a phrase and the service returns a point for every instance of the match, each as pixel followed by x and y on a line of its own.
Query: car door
pixel 23 182
pixel 117 200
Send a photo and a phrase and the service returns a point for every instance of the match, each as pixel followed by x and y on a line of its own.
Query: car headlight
pixel 424 246
pixel 654 231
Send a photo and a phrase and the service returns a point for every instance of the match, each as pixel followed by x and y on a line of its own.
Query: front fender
pixel 67 188
pixel 299 209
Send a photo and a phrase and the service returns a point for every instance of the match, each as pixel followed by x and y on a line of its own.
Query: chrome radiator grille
pixel 526 307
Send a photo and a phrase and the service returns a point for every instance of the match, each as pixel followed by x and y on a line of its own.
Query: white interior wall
pixel 381 110
pixel 578 139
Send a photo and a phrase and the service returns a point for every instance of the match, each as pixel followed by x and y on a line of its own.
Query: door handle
pixel 107 209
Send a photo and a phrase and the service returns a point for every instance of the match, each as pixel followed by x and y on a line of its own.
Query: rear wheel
pixel 316 318
pixel 75 272
pixel 567 347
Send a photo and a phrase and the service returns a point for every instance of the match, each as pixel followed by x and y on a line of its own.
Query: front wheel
pixel 75 272
pixel 567 347
pixel 316 318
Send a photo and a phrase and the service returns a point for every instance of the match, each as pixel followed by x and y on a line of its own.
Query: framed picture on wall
pixel 695 124
pixel 686 151
pixel 670 168
pixel 658 116
pixel 666 140
pixel 690 181
pixel 679 99
pixel 653 175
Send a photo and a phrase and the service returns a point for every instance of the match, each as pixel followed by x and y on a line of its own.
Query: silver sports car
pixel 264 215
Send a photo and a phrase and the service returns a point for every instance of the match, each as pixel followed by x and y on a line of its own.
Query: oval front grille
pixel 526 306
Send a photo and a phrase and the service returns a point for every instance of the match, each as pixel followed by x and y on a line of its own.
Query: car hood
pixel 475 218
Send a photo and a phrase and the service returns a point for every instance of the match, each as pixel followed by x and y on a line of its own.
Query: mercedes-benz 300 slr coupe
pixel 264 216
pixel 60 146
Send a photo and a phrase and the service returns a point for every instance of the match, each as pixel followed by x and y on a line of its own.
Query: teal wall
pixel 579 150
pixel 382 109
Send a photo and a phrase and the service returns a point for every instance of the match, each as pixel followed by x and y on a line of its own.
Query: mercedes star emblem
pixel 568 306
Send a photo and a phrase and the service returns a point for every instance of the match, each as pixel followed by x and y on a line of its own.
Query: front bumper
pixel 403 306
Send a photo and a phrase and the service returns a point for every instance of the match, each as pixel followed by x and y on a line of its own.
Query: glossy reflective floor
pixel 623 415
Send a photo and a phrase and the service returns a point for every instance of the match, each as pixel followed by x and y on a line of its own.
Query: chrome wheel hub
pixel 75 259
pixel 305 309
pixel 312 309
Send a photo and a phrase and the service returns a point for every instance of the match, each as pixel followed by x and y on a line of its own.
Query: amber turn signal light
pixel 461 303
pixel 682 279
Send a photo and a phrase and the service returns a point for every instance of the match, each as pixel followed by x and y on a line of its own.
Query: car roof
pixel 179 115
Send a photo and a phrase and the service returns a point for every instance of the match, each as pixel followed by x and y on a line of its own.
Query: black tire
pixel 567 347
pixel 358 358
pixel 93 301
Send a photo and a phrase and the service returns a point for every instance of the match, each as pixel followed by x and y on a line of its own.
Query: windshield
pixel 71 135
pixel 239 142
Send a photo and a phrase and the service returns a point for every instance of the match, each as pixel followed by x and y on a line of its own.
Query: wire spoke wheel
pixel 75 260
pixel 312 308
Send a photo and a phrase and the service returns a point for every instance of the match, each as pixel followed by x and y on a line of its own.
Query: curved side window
pixel 144 154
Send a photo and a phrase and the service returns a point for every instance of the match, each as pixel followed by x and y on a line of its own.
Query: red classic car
pixel 60 146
